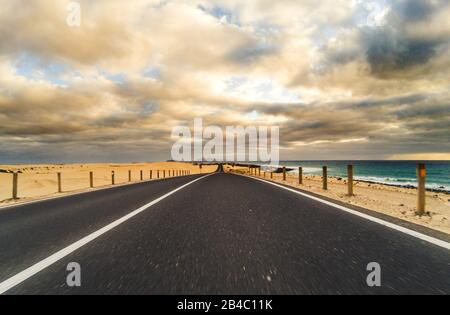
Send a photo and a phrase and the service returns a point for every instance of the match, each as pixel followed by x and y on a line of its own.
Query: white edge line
pixel 393 226
pixel 34 269
pixel 82 191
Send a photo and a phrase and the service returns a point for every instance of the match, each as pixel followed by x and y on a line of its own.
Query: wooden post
pixel 15 184
pixel 113 180
pixel 91 179
pixel 157 174
pixel 259 171
pixel 350 179
pixel 151 174
pixel 271 175
pixel 142 176
pixel 59 183
pixel 284 173
pixel 300 175
pixel 325 178
pixel 129 176
pixel 164 174
pixel 264 174
pixel 421 180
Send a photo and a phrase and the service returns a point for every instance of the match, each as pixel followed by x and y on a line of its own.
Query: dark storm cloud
pixel 410 119
pixel 252 52
pixel 392 48
pixel 388 50
pixel 427 110
pixel 414 10
pixel 397 100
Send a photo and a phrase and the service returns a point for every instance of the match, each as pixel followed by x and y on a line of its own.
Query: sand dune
pixel 36 181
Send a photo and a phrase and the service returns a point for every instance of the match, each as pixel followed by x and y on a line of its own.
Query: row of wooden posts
pixel 421 180
pixel 157 174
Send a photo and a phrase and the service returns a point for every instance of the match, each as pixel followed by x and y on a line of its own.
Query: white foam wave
pixel 401 182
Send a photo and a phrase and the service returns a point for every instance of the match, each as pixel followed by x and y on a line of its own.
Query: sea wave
pixel 387 180
pixel 403 182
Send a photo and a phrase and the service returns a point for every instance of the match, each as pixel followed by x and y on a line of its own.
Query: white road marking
pixel 31 271
pixel 393 226
pixel 82 192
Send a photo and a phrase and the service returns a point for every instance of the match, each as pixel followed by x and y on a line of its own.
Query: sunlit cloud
pixel 366 79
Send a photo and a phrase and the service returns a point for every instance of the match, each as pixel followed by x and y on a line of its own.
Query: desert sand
pixel 40 181
pixel 394 201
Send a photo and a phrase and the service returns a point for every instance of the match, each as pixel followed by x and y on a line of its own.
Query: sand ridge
pixel 38 181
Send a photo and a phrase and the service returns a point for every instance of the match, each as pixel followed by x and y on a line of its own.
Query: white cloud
pixel 137 70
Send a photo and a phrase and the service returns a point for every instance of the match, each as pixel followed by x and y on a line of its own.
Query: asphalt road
pixel 223 234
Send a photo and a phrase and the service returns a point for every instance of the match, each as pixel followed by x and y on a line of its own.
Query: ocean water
pixel 398 173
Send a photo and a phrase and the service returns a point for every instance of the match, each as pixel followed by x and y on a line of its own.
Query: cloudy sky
pixel 344 79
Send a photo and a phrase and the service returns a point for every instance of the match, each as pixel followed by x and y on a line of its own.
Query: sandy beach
pixel 394 201
pixel 40 181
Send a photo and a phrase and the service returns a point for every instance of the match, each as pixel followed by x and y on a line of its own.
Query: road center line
pixel 393 226
pixel 31 271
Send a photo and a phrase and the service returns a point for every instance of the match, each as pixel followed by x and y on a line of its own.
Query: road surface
pixel 221 234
